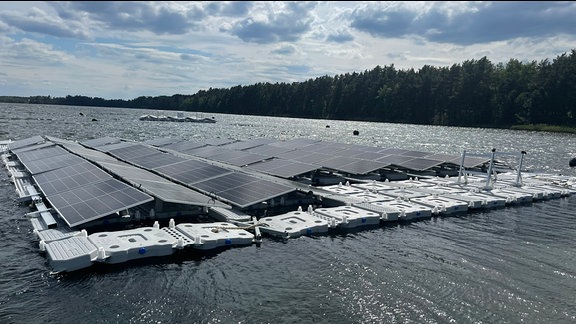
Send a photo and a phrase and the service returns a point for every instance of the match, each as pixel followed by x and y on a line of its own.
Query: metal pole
pixel 460 171
pixel 519 175
pixel 489 174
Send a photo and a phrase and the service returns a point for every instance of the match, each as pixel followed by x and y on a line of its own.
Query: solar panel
pixel 244 145
pixel 255 192
pixel 25 142
pixel 94 201
pixel 270 150
pixel 180 167
pixel 175 193
pixel 43 153
pixel 363 155
pixel 205 151
pixel 52 163
pixel 295 143
pixel 33 147
pixel 443 157
pixel 100 141
pixel 70 177
pixel 183 146
pixel 89 154
pixel 337 162
pixel 354 166
pixel 160 142
pixel 160 187
pixel 470 161
pixel 393 151
pixel 395 159
pixel 326 148
pixel 238 158
pixel 156 160
pixel 129 172
pixel 206 172
pixel 419 164
pixel 242 190
pixel 415 153
pixel 283 168
pixel 373 149
pixel 225 182
pixel 190 171
pixel 305 157
pixel 133 152
pixel 219 141
pixel 115 146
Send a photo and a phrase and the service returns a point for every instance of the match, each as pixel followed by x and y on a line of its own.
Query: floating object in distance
pixel 178 118
pixel 356 132
pixel 572 163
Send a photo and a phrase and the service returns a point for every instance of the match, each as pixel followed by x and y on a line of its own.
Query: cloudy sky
pixel 123 49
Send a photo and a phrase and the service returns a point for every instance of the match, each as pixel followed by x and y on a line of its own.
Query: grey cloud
pixel 39 22
pixel 229 8
pixel 500 20
pixel 340 37
pixel 288 25
pixel 285 50
pixel 127 15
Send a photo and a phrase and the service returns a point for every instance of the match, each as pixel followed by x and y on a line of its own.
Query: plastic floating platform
pixel 348 216
pixel 76 250
pixel 293 224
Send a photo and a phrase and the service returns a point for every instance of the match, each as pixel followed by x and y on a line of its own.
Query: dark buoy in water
pixel 94 119
pixel 81 114
pixel 572 163
pixel 327 126
pixel 356 132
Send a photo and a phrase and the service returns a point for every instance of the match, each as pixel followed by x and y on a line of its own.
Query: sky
pixel 125 49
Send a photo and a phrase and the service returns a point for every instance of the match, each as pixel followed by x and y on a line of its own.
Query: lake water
pixel 510 265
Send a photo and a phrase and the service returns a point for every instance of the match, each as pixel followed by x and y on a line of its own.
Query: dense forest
pixel 474 93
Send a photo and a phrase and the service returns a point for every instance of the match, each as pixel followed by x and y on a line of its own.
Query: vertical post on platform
pixel 519 174
pixel 461 170
pixel 489 174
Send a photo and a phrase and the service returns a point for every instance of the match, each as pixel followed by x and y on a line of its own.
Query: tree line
pixel 475 93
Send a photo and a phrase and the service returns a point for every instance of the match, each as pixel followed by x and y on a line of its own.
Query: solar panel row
pixel 349 158
pixel 93 201
pixel 77 189
pixel 237 188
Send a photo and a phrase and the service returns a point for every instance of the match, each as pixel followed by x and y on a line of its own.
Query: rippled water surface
pixel 511 265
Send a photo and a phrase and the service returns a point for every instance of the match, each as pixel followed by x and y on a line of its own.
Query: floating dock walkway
pixel 103 200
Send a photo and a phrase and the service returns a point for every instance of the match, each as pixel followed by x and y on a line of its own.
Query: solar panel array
pixel 304 153
pixel 158 186
pixel 81 192
pixel 202 176
pixel 95 200
pixel 69 177
pixel 93 143
pixel 42 160
pixel 242 189
pixel 284 168
pixel 190 172
pixel 163 141
pixel 77 189
pixel 245 145
pixel 40 153
pixel 142 179
pixel 25 142
pixel 238 158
